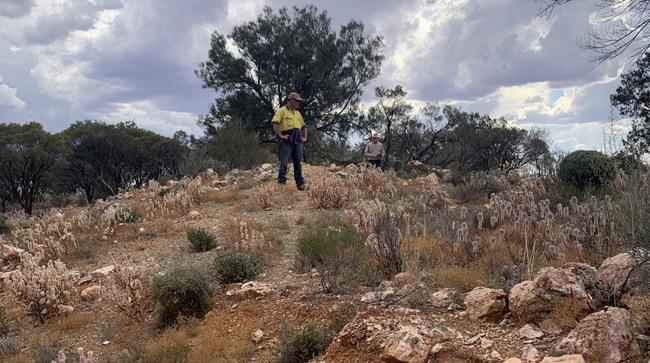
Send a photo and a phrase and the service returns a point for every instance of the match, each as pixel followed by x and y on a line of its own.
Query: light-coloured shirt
pixel 374 151
pixel 288 119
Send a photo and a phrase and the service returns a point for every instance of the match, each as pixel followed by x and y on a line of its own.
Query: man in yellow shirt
pixel 289 126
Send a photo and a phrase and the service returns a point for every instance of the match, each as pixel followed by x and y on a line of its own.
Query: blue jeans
pixel 375 163
pixel 293 151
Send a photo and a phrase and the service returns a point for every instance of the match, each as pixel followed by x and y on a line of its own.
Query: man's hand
pixel 303 139
pixel 284 137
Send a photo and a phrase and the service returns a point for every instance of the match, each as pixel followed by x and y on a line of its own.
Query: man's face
pixel 293 104
pixel 375 140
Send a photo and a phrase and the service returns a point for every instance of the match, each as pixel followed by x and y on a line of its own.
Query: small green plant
pixel 302 346
pixel 5 227
pixel 236 267
pixel 587 168
pixel 184 291
pixel 335 251
pixel 201 240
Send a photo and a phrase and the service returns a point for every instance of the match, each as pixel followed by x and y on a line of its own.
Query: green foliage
pixel 586 168
pixel 102 158
pixel 27 156
pixel 234 147
pixel 337 252
pixel 302 346
pixel 290 51
pixel 182 292
pixel 628 162
pixel 236 267
pixel 201 240
pixel 632 98
pixel 5 227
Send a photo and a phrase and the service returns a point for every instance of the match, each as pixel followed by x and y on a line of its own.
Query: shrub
pixel 182 292
pixel 5 227
pixel 335 251
pixel 236 267
pixel 201 240
pixel 302 346
pixel 329 193
pixel 32 283
pixel 632 211
pixel 587 168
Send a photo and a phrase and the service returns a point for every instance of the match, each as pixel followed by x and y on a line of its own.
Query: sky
pixel 120 60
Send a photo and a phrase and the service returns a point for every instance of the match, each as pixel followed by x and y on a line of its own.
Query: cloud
pixel 8 97
pixel 60 21
pixel 16 8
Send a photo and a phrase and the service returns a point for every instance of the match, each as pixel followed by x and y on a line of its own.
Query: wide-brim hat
pixel 295 96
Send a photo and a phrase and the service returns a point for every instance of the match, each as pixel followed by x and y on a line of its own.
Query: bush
pixel 182 292
pixel 587 168
pixel 335 251
pixel 236 267
pixel 632 212
pixel 201 240
pixel 5 227
pixel 329 193
pixel 302 346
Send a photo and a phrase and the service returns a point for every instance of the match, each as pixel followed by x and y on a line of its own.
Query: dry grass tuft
pixel 236 346
pixel 330 193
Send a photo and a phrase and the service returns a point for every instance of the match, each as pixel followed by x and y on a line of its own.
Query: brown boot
pixel 303 186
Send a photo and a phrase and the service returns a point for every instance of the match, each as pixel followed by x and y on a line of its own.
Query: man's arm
pixel 303 134
pixel 276 129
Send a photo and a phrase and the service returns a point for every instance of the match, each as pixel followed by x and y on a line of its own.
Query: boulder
pixel 432 179
pixel 572 358
pixel 406 346
pixel 530 354
pixel 253 289
pixel 512 360
pixel 65 309
pixel 92 294
pixel 257 335
pixel 485 304
pixel 104 271
pixel 594 286
pixel 604 336
pixel 529 331
pixel 195 214
pixel 444 297
pixel 615 271
pixel 552 289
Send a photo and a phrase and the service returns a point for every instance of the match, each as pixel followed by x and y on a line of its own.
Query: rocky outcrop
pixel 615 271
pixel 251 290
pixel 604 336
pixel 552 289
pixel 406 346
pixel 483 303
pixel 444 298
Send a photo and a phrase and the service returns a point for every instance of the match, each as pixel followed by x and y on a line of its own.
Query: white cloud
pixel 8 97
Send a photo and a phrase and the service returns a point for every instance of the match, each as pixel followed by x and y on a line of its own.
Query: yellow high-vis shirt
pixel 288 119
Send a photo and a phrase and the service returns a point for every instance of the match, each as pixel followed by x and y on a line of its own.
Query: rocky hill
pixel 363 267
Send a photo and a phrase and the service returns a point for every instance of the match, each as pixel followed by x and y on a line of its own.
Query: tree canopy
pixel 632 99
pixel 623 27
pixel 260 62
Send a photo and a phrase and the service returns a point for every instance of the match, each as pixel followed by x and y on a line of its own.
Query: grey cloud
pixel 77 15
pixel 16 8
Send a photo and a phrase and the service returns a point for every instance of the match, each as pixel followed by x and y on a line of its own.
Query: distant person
pixel 289 126
pixel 374 151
